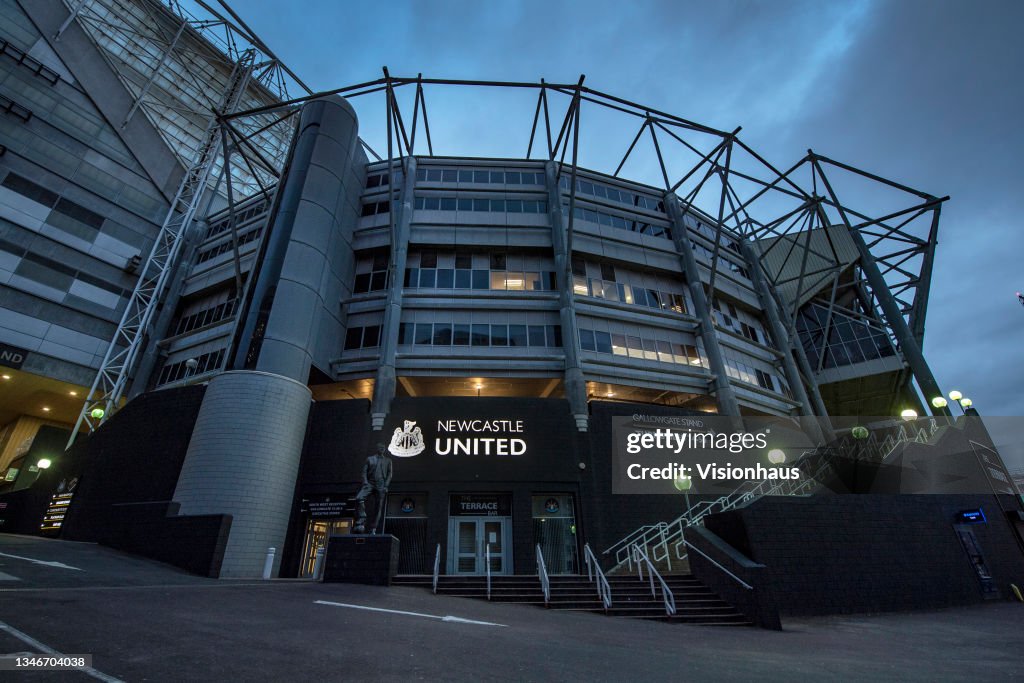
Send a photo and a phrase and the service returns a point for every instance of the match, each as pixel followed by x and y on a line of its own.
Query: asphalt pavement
pixel 144 621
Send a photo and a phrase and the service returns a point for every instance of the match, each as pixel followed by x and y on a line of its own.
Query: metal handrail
pixel 604 590
pixel 437 566
pixel 487 559
pixel 705 556
pixel 652 573
pixel 542 573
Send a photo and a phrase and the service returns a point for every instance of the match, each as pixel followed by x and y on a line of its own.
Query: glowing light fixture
pixel 859 432
pixel 776 456
pixel 955 395
pixel 46 409
pixel 44 463
pixel 909 414
pixel 939 402
pixel 683 483
pixel 97 413
pixel 5 376
pixel 966 402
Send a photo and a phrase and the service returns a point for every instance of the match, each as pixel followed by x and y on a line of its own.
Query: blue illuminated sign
pixel 971 516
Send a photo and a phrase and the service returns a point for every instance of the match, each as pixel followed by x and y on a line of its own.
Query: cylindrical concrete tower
pixel 243 460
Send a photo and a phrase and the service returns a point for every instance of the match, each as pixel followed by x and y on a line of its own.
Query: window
pixel 363 337
pixel 371 271
pixel 478 204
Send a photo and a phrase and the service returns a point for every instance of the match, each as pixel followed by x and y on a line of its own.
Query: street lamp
pixel 776 456
pixel 44 463
pixel 939 402
pixel 909 414
pixel 955 395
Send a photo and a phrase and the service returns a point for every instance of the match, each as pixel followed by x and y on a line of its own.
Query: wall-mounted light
pixel 44 463
pixel 909 414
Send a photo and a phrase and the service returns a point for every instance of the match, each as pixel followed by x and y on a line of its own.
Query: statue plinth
pixel 361 558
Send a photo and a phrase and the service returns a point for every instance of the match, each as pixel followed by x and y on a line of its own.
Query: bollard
pixel 318 564
pixel 268 565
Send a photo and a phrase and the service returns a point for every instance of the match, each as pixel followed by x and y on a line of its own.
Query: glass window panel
pixel 512 178
pixel 497 280
pixel 434 174
pixel 432 203
pixel 481 279
pixel 499 335
pixel 442 334
pixel 428 258
pixel 465 176
pixel 462 279
pixel 463 259
pixel 424 333
pixel 664 351
pixel 460 334
pixel 448 203
pixel 378 281
pixel 514 205
pixel 353 338
pixel 634 346
pixel 536 333
pixel 371 336
pixel 650 350
pixel 480 176
pixel 481 335
pixel 517 335
pixel 603 342
pixel 481 205
pixel 515 281
pixel 498 177
pixel 449 175
pixel 587 340
pixel 428 277
pixel 445 278
pixel 405 333
pixel 554 335
pixel 465 204
pixel 497 205
pixel 619 344
pixel 362 283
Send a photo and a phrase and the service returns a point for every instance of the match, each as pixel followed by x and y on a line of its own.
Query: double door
pixel 471 539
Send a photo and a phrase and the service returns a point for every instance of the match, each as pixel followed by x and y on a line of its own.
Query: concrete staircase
pixel 631 598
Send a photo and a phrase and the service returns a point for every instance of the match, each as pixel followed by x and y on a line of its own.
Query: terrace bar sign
pixel 12 356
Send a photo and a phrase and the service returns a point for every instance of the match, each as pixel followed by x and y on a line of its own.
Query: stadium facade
pixel 247 303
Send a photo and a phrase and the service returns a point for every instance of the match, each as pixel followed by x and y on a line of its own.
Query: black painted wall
pixel 872 553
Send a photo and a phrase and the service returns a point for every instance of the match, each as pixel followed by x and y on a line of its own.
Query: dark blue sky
pixel 927 93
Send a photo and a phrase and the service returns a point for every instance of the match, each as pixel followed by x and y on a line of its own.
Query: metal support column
pixel 785 343
pixel 890 309
pixel 129 340
pixel 575 384
pixel 724 394
pixel 384 385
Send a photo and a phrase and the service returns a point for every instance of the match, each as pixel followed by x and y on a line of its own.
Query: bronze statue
pixel 376 479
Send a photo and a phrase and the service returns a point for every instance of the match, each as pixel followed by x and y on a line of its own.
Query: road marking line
pixel 50 589
pixel 61 565
pixel 448 618
pixel 32 642
pixel 8 577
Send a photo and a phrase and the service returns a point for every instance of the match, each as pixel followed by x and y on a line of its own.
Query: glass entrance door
pixel 470 538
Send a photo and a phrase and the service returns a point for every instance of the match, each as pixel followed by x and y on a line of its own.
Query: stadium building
pixel 225 314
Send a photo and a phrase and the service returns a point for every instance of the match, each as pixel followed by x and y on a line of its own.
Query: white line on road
pixel 32 642
pixel 448 618
pixel 60 565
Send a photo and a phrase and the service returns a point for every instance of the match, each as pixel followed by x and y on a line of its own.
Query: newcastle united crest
pixel 407 443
